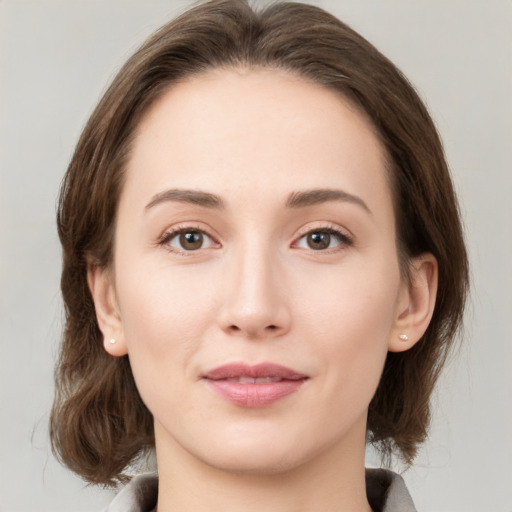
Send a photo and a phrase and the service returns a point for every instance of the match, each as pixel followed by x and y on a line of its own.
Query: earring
pixel 112 341
pixel 403 337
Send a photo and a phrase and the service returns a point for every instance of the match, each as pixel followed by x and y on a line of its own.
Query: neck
pixel 332 481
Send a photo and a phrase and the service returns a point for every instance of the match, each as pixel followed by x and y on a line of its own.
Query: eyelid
pixel 185 227
pixel 328 226
pixel 346 238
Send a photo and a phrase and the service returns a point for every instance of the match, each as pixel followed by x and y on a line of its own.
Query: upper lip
pixel 262 370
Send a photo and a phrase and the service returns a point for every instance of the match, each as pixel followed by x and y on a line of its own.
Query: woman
pixel 263 269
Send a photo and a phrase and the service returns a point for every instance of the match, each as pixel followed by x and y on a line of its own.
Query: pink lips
pixel 254 386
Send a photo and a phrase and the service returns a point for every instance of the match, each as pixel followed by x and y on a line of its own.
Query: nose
pixel 255 305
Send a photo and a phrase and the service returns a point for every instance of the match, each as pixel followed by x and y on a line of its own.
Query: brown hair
pixel 99 424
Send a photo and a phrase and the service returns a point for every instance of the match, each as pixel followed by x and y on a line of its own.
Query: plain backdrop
pixel 56 57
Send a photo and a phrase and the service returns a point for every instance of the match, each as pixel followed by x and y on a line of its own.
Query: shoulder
pixel 139 495
pixel 387 492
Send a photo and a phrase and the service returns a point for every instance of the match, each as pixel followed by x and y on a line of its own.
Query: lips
pixel 254 386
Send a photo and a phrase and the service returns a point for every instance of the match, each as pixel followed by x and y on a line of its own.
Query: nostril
pixel 253 329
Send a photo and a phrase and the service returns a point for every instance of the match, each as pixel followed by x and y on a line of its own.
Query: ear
pixel 415 304
pixel 102 288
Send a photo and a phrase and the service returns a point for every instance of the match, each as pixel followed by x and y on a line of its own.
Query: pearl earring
pixel 112 341
pixel 403 337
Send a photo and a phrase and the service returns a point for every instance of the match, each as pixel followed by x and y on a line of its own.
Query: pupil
pixel 191 240
pixel 319 240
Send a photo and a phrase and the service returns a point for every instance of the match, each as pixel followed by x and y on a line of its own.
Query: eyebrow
pixel 196 197
pixel 318 196
pixel 300 199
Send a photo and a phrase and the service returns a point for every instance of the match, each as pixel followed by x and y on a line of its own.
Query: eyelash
pixel 343 239
pixel 168 236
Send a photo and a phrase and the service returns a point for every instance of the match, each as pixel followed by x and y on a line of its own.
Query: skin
pixel 256 290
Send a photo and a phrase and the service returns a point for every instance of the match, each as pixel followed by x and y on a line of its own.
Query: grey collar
pixel 386 493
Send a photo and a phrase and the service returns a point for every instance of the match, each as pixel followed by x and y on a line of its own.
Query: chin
pixel 258 464
pixel 257 455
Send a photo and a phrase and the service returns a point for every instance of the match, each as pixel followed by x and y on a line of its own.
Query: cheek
pixel 356 302
pixel 160 305
pixel 164 317
pixel 350 318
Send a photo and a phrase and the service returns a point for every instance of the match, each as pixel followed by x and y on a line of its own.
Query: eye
pixel 188 240
pixel 322 239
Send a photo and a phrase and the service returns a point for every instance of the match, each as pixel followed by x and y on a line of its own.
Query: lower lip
pixel 254 395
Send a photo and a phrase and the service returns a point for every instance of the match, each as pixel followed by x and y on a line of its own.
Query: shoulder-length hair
pixel 99 424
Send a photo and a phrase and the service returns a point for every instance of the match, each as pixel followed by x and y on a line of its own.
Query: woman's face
pixel 256 286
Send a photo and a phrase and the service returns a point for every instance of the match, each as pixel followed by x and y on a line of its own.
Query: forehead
pixel 261 127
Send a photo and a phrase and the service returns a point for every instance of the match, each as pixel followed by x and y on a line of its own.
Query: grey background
pixel 56 57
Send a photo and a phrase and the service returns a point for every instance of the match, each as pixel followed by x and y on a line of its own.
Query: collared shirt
pixel 386 492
